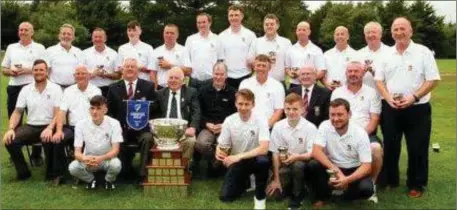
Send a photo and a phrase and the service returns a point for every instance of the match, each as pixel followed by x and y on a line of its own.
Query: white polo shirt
pixel 203 54
pixel 236 48
pixel 107 58
pixel 98 139
pixel 142 52
pixel 347 151
pixel 243 136
pixel 178 56
pixel 336 62
pixel 63 63
pixel 178 103
pixel 298 56
pixel 375 58
pixel 298 139
pixel 77 102
pixel 268 96
pixel 363 103
pixel 17 53
pixel 279 46
pixel 40 106
pixel 406 73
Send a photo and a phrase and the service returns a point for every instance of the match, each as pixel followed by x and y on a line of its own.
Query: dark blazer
pixel 190 106
pixel 117 93
pixel 318 105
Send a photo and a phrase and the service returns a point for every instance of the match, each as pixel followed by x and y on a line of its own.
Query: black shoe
pixel 294 203
pixel 109 185
pixel 91 185
pixel 24 176
pixel 36 161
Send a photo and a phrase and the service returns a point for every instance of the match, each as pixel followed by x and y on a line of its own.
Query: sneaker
pixel 109 185
pixel 91 185
pixel 374 197
pixel 259 204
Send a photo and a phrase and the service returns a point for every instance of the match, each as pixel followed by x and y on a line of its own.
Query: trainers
pixel 109 185
pixel 259 204
pixel 91 185
pixel 374 197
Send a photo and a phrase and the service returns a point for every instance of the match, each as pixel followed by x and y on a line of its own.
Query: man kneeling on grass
pixel 101 136
pixel 343 148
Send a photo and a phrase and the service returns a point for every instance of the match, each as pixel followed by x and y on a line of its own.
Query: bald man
pixel 405 80
pixel 373 52
pixel 302 53
pixel 179 101
pixel 75 103
pixel 336 59
pixel 17 64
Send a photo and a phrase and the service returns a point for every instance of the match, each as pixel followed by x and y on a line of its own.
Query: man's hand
pixel 164 64
pixel 405 102
pixel 341 183
pixel 46 135
pixel 220 155
pixel 87 160
pixel 97 160
pixel 58 136
pixel 292 158
pixel 273 186
pixel 190 132
pixel 228 161
pixel 9 137
pixel 218 128
pixel 211 127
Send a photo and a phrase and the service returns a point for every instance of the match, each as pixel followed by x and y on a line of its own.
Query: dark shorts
pixel 375 139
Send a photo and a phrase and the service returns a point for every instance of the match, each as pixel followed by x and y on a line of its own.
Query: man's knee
pixel 115 165
pixel 366 189
pixel 376 150
pixel 262 161
pixel 75 167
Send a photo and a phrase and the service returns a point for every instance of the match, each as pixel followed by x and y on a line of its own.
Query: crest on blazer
pixel 137 114
pixel 317 111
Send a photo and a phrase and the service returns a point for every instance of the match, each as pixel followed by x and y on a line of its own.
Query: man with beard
pixel 17 64
pixel 101 61
pixel 343 147
pixel 64 57
pixel 41 99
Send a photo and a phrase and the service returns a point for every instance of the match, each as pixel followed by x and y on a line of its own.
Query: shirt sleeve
pixel 363 148
pixel 120 58
pixel 431 69
pixel 22 98
pixel 64 103
pixel 57 100
pixel 184 58
pixel 7 58
pixel 252 50
pixel 311 137
pixel 49 56
pixel 319 61
pixel 79 135
pixel 379 70
pixel 116 136
pixel 280 97
pixel 264 132
pixel 220 49
pixel 275 139
pixel 113 61
pixel 288 60
pixel 151 59
pixel 224 137
pixel 320 136
pixel 375 103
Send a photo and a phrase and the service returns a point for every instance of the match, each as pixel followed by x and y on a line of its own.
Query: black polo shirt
pixel 216 105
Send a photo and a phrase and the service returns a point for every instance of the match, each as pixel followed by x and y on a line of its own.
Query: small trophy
pixel 397 96
pixel 160 58
pixel 227 149
pixel 332 175
pixel 436 147
pixel 368 63
pixel 18 65
pixel 167 132
pixel 272 55
pixel 283 153
pixel 336 82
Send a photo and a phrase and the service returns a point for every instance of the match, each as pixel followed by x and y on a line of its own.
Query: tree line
pixel 47 16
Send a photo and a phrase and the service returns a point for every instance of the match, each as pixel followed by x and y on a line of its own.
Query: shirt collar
pixel 273 40
pixel 300 125
pixel 348 132
pixel 45 88
pixel 178 92
pixel 102 52
pixel 310 88
pixel 63 49
pixel 239 32
pixel 409 49
pixel 127 82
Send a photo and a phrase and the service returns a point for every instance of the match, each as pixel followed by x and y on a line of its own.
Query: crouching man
pixel 101 136
pixel 342 156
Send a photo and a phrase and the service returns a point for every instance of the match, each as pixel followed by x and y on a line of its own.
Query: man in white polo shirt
pixel 272 45
pixel 405 80
pixel 336 59
pixel 75 102
pixel 236 42
pixel 168 55
pixel 204 49
pixel 366 109
pixel 343 147
pixel 101 136
pixel 101 61
pixel 296 135
pixel 138 50
pixel 17 64
pixel 269 93
pixel 301 53
pixel 246 132
pixel 41 99
pixel 373 52
pixel 64 57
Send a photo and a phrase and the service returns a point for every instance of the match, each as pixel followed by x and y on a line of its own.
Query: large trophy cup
pixel 167 172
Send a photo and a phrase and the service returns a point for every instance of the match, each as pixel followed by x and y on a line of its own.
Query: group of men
pixel 328 132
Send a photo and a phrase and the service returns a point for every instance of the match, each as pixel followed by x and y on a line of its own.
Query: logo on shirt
pixel 107 58
pixel 347 59
pixel 349 147
pixel 48 96
pixel 107 136
pixel 410 67
pixel 243 39
pixel 139 54
pixel 252 133
pixel 361 98
pixel 224 100
pixel 300 140
pixel 212 45
pixel 177 56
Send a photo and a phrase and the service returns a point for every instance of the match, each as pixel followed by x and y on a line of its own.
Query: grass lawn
pixel 35 193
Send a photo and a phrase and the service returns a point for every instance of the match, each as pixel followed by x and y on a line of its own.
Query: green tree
pixel 316 19
pixel 450 49
pixel 338 15
pixel 13 13
pixel 388 13
pixel 361 15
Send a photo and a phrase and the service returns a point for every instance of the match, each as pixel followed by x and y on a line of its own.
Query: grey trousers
pixel 205 143
pixel 292 178
pixel 81 171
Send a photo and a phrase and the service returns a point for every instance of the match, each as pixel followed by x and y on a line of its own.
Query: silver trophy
pixel 168 132
pixel 283 153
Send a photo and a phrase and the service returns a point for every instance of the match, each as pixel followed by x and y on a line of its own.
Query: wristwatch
pixel 416 99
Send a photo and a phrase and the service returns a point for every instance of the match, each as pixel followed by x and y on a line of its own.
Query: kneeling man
pixel 246 133
pixel 343 147
pixel 101 136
